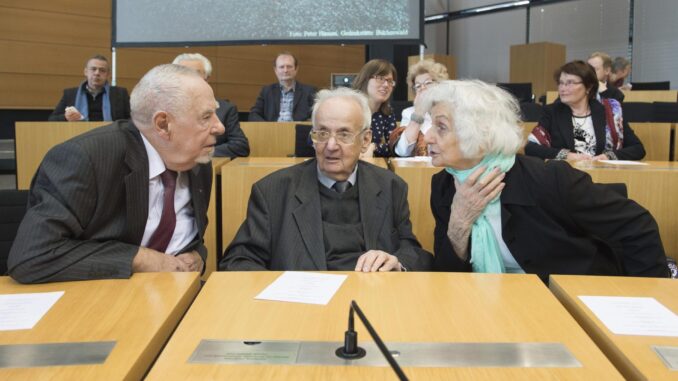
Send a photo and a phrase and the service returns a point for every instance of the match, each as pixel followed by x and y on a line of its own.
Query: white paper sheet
pixel 23 311
pixel 622 162
pixel 633 315
pixel 413 158
pixel 303 287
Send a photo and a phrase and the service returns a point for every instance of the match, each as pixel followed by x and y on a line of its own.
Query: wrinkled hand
pixel 369 152
pixel 192 260
pixel 474 194
pixel 602 156
pixel 377 260
pixel 572 156
pixel 72 114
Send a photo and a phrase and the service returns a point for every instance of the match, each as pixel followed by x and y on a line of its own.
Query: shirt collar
pixel 282 87
pixel 155 164
pixel 328 182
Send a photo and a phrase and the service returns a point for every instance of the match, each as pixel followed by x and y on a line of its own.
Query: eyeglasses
pixel 418 86
pixel 381 80
pixel 569 83
pixel 344 137
pixel 99 69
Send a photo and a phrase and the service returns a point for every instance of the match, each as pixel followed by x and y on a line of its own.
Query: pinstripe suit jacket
pixel 88 207
pixel 283 229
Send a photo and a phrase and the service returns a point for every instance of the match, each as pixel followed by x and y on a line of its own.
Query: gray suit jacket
pixel 88 207
pixel 283 229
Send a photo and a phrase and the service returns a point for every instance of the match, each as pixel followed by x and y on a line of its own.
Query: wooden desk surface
pixel 403 307
pixel 139 313
pixel 237 178
pixel 632 355
pixel 417 175
pixel 653 186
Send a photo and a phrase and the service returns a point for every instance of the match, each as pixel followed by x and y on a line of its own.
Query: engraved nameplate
pixel 54 354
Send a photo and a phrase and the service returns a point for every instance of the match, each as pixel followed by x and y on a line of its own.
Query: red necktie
pixel 168 220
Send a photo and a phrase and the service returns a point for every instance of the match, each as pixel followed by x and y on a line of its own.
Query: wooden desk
pixel 138 313
pixel 403 307
pixel 656 138
pixel 632 355
pixel 417 175
pixel 34 139
pixel 653 186
pixel 237 178
pixel 270 139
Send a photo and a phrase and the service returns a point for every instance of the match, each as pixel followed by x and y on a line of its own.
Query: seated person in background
pixel 602 64
pixel 287 100
pixel 621 68
pixel 94 99
pixel 579 127
pixel 408 139
pixel 333 212
pixel 233 143
pixel 127 197
pixel 498 212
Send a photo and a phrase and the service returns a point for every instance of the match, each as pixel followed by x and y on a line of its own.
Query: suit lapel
pixel 276 100
pixel 136 186
pixel 297 96
pixel 372 206
pixel 564 121
pixel 515 193
pixel 198 197
pixel 308 216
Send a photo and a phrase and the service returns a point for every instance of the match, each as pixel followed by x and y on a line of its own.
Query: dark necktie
pixel 341 186
pixel 168 220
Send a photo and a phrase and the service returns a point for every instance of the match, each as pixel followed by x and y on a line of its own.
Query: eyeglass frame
pixel 313 133
pixel 569 83
pixel 382 79
pixel 418 86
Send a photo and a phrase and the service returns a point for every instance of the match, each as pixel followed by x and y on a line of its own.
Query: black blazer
pixel 556 221
pixel 119 99
pixel 267 106
pixel 233 142
pixel 557 121
pixel 88 207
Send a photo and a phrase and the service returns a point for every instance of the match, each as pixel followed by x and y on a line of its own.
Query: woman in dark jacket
pixel 578 126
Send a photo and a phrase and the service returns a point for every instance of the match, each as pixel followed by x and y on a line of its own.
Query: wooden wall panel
pixel 73 7
pixel 33 91
pixel 21 57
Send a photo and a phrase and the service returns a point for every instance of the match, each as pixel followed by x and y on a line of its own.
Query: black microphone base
pixel 359 353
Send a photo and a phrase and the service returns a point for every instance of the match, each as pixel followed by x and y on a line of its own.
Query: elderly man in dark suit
pixel 233 143
pixel 94 99
pixel 128 197
pixel 287 100
pixel 331 213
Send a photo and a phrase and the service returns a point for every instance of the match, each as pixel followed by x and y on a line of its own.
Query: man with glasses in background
pixel 95 99
pixel 333 212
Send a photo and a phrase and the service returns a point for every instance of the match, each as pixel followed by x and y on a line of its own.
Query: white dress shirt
pixel 404 148
pixel 186 228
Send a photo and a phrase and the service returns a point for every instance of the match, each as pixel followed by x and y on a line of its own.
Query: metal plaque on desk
pixel 668 354
pixel 430 355
pixel 54 354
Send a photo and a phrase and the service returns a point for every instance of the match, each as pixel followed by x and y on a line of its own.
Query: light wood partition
pixel 656 138
pixel 631 354
pixel 68 32
pixel 34 139
pixel 211 233
pixel 270 139
pixel 139 314
pixel 403 308
pixel 237 178
pixel 536 63
pixel 652 185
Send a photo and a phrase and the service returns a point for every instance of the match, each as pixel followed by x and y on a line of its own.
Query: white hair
pixel 485 117
pixel 344 92
pixel 206 64
pixel 161 89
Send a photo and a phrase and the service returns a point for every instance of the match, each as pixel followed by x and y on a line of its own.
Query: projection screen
pixel 225 22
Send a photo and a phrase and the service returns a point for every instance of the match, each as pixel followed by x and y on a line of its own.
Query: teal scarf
pixel 485 253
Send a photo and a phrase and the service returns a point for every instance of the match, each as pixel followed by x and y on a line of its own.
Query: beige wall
pixel 44 45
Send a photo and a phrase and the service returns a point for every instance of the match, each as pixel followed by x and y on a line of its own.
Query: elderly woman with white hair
pixel 499 212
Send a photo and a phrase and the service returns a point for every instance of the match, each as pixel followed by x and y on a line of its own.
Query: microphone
pixel 351 350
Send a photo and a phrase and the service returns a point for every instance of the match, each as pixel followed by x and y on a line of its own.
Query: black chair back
pixel 663 85
pixel 664 112
pixel 522 91
pixel 531 112
pixel 303 146
pixel 12 209
pixel 637 112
